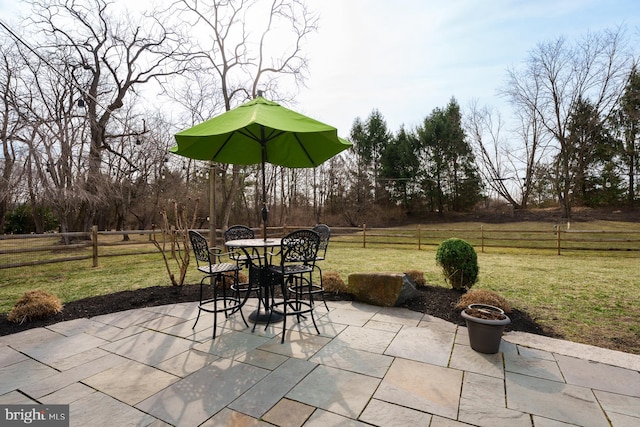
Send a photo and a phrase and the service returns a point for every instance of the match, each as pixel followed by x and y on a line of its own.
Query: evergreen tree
pixel 400 167
pixel 593 157
pixel 452 181
pixel 627 121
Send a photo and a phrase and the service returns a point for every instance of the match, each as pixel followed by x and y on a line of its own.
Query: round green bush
pixel 459 263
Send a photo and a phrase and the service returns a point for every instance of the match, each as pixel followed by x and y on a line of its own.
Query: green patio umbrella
pixel 260 132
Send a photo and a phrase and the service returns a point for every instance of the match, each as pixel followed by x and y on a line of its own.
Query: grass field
pixel 589 297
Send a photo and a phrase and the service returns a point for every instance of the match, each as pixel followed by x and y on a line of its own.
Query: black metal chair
pixel 209 263
pixel 294 274
pixel 324 232
pixel 237 232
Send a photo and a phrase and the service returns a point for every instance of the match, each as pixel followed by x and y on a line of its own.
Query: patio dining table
pixel 259 274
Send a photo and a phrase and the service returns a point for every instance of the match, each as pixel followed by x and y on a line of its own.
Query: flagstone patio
pixel 370 366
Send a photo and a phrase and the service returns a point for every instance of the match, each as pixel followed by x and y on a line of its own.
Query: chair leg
pixel 322 287
pixel 215 321
pixel 314 322
pixel 284 322
pixel 197 318
pixel 243 319
pixel 199 303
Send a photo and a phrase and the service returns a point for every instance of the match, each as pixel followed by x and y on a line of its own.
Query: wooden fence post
pixel 94 244
pixel 482 236
pixel 558 237
pixel 364 235
pixel 419 238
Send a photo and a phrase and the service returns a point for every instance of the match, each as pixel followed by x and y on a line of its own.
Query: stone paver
pixel 135 381
pixel 98 409
pixel 231 345
pixel 266 393
pixel 382 413
pixel 321 418
pixel 466 359
pixel 149 347
pixel 337 355
pixel 228 417
pixel 21 374
pixel 76 326
pixel 421 386
pixel 532 366
pixel 546 422
pixel 398 315
pixel 555 400
pixel 186 363
pixel 369 366
pixel 263 359
pixel 300 346
pixel 620 420
pixel 446 422
pixel 16 398
pixel 53 350
pixel 288 413
pixel 577 350
pixel 600 376
pixel 349 316
pixel 432 346
pixel 619 404
pixel 483 403
pixel 9 356
pixel 38 336
pixel 68 395
pixel 335 390
pixel 42 387
pixel 366 338
pixel 194 399
pixel 125 319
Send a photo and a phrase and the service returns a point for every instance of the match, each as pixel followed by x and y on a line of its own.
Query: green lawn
pixel 591 297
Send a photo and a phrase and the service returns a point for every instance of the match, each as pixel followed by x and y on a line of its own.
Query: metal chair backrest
pixel 300 246
pixel 237 232
pixel 200 248
pixel 324 232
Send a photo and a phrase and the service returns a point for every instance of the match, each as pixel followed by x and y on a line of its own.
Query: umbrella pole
pixel 212 204
pixel 265 210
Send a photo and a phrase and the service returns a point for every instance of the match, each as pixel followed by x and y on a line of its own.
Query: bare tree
pixel 508 164
pixel 484 127
pixel 56 164
pixel 10 125
pixel 557 75
pixel 248 45
pixel 106 55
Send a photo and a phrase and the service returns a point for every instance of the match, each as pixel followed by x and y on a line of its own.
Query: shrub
pixel 332 282
pixel 417 277
pixel 34 305
pixel 483 296
pixel 228 278
pixel 459 263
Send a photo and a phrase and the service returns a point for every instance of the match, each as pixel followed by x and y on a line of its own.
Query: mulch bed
pixel 433 300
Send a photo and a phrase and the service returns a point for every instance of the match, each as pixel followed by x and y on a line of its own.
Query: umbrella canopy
pixel 259 132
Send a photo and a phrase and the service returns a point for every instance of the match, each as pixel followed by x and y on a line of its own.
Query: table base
pixel 262 316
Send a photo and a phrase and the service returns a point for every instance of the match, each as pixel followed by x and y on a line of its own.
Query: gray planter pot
pixel 485 334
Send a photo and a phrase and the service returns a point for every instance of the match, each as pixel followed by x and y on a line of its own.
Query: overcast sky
pixel 407 57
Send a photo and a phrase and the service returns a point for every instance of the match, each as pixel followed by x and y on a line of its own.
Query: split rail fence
pixel 36 249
